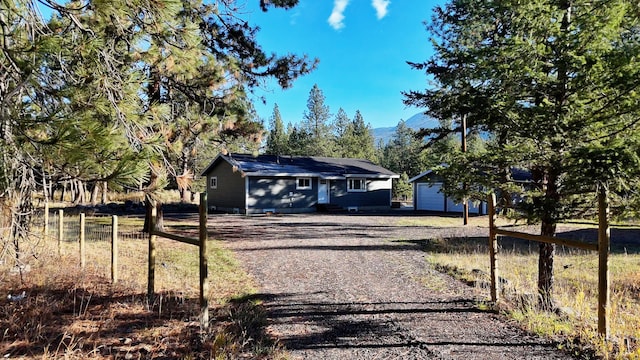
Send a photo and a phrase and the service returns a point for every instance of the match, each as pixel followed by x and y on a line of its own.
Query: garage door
pixel 428 197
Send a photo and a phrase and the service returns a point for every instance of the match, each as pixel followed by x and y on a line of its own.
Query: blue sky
pixel 362 45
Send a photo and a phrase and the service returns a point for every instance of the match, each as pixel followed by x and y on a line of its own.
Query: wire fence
pixel 96 228
pixel 98 243
pixel 56 236
pixel 123 255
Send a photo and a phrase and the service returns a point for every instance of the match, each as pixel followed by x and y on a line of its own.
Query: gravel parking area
pixel 354 286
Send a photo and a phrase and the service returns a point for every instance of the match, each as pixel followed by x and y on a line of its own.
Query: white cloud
pixel 293 19
pixel 381 7
pixel 337 15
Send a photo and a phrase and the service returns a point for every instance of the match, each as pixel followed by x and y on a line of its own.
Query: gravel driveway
pixel 356 287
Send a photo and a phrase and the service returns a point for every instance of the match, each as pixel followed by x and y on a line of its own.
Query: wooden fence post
pixel 204 270
pixel 114 249
pixel 152 254
pixel 604 240
pixel 493 248
pixel 82 239
pixel 60 230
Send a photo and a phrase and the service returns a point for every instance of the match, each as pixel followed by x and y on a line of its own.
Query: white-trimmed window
pixel 213 182
pixel 303 183
pixel 356 184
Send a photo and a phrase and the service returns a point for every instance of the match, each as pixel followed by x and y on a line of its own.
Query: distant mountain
pixel 416 122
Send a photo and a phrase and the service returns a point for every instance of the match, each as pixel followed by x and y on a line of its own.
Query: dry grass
pixel 75 313
pixel 575 291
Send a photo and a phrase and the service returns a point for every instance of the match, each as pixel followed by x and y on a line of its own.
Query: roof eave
pixel 323 176
pixel 211 164
pixel 421 175
pixel 236 167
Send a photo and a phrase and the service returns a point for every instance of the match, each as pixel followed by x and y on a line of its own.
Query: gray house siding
pixel 280 194
pixel 377 196
pixel 229 194
pixel 246 183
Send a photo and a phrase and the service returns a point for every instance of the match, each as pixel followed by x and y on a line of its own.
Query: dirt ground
pixel 357 286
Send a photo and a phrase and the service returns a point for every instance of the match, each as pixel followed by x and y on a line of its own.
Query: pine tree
pixel 342 129
pixel 353 138
pixel 62 117
pixel 300 141
pixel 362 139
pixel 107 91
pixel 403 152
pixel 555 83
pixel 278 139
pixel 402 189
pixel 316 123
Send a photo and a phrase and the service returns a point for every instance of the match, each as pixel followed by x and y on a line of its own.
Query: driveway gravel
pixel 355 286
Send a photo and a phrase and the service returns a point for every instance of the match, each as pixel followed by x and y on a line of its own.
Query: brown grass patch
pixel 74 313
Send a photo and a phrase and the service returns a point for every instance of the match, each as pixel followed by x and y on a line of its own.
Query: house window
pixel 356 185
pixel 213 182
pixel 303 183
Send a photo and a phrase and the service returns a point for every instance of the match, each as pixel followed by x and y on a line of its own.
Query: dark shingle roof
pixel 272 165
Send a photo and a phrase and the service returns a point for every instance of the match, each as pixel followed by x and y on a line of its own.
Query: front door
pixel 323 191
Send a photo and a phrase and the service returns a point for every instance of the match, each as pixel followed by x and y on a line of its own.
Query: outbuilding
pixel 428 196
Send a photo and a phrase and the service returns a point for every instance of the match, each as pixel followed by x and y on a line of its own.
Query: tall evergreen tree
pixel 342 129
pixel 362 139
pixel 403 152
pixel 316 123
pixel 300 141
pixel 353 138
pixel 278 139
pixel 402 155
pixel 555 83
pixel 402 189
pixel 441 151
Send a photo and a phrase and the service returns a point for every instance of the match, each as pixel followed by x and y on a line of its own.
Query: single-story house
pixel 248 184
pixel 427 196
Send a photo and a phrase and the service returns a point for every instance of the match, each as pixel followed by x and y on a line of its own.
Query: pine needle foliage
pixel 555 83
pixel 124 92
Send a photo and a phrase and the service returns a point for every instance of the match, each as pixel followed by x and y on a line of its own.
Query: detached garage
pixel 428 197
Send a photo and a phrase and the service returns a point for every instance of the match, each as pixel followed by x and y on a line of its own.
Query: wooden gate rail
pixel 200 242
pixel 548 239
pixel 602 247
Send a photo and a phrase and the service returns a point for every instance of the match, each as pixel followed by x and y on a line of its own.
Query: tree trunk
pixel 45 186
pixel 548 228
pixel 149 201
pixel 186 195
pixel 52 189
pixel 80 194
pixel 94 193
pixel 505 201
pixel 105 191
pixel 185 180
pixel 550 181
pixel 72 190
pixel 21 208
pixel 545 268
pixel 63 192
pixel 83 192
pixel 147 219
